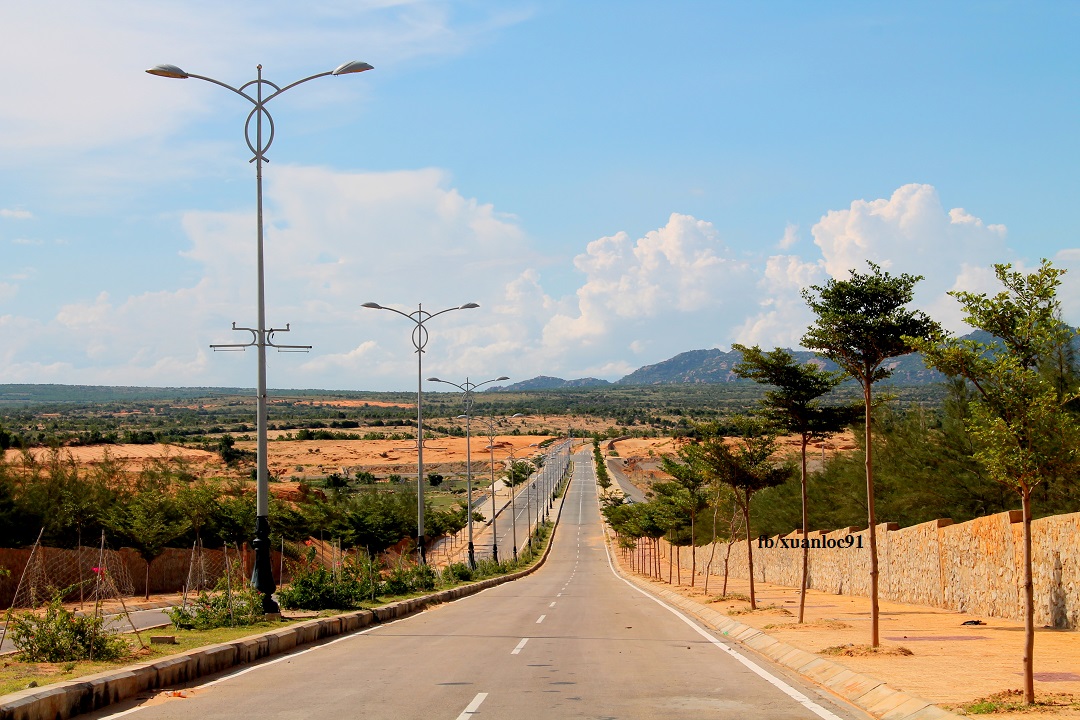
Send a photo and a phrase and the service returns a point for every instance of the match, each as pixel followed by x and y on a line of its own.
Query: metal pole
pixel 467 401
pixel 494 508
pixel 468 475
pixel 528 509
pixel 419 339
pixel 262 577
pixel 513 499
pixel 420 432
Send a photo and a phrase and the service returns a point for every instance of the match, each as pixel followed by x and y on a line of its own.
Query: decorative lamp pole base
pixel 262 576
pixel 495 553
pixel 472 557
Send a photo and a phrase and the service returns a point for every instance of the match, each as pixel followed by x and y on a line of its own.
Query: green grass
pixel 16 675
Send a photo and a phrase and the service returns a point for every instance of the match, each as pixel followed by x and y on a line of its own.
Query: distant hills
pixel 715 366
pixel 546 382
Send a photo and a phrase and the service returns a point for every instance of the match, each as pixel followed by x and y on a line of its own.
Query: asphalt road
pixel 572 640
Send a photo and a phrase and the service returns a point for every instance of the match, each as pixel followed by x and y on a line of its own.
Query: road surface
pixel 572 640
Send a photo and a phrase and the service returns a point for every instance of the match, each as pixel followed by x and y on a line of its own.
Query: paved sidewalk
pixel 952 663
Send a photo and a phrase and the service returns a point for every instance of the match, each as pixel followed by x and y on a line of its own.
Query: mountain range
pixel 715 366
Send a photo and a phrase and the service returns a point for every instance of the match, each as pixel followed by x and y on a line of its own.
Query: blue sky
pixel 613 182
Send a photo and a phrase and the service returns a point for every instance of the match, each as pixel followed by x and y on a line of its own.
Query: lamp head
pixel 434 379
pixel 468 306
pixel 169 71
pixel 373 306
pixel 354 66
pixel 501 378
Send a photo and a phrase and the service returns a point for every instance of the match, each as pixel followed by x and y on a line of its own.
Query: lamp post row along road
pixel 490 422
pixel 419 340
pixel 262 577
pixel 467 388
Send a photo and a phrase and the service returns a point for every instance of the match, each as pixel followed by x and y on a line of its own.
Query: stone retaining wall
pixel 974 567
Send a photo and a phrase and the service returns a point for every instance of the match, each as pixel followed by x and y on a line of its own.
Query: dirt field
pixel 305 458
pixel 314 457
pixel 131 456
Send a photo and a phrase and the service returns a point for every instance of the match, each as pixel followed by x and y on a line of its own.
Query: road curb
pixel 92 692
pixel 867 693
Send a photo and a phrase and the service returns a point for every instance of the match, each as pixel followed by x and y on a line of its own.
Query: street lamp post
pixel 467 388
pixel 262 577
pixel 419 340
pixel 494 508
pixel 513 500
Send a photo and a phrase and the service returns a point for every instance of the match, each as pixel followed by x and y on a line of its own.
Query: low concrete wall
pixel 974 567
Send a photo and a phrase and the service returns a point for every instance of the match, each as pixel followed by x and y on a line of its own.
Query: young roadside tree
pixel 1023 432
pixel 794 406
pixel 687 472
pixel 746 468
pixel 672 504
pixel 148 520
pixel 861 323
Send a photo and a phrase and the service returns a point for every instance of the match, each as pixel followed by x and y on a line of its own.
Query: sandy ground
pixel 951 663
pixel 129 455
pixel 313 457
pixel 641 456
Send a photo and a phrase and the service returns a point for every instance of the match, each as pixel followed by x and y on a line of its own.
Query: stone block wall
pixel 974 567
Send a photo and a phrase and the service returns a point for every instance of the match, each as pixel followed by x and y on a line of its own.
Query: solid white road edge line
pixel 754 667
pixel 473 706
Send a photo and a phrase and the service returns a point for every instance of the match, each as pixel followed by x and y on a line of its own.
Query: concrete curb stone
pixel 92 692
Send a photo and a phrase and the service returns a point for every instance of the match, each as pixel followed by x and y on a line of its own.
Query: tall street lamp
pixel 261 337
pixel 467 388
pixel 490 422
pixel 513 499
pixel 419 340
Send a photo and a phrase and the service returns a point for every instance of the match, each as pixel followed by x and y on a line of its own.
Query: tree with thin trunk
pixel 148 520
pixel 687 473
pixel 734 525
pixel 794 406
pixel 861 323
pixel 722 495
pixel 1023 431
pixel 746 467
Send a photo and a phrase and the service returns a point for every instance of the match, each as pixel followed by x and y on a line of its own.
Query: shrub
pixel 221 608
pixel 61 636
pixel 457 572
pixel 314 587
pixel 423 577
pixel 398 582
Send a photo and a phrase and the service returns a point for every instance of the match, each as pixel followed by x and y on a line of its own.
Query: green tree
pixel 148 520
pixel 435 480
pixel 794 406
pixel 1024 434
pixel 861 323
pixel 198 502
pixel 746 467
pixel 519 472
pixel 687 472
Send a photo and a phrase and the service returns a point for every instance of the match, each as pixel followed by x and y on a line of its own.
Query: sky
pixel 613 182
